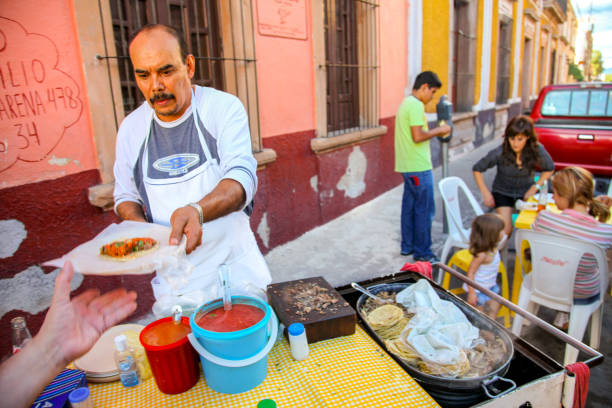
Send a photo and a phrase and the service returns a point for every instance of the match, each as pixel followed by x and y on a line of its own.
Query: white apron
pixel 228 239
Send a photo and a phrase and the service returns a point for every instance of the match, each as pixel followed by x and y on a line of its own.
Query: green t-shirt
pixel 411 156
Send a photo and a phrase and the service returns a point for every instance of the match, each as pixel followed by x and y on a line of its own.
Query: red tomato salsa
pixel 165 333
pixel 118 249
pixel 240 317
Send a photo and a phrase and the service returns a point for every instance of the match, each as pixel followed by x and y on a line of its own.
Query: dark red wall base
pixel 292 206
pixel 58 216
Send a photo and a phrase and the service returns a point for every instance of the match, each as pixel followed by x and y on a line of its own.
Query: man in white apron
pixel 184 159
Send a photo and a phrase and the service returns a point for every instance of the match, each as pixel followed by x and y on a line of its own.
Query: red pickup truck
pixel 574 123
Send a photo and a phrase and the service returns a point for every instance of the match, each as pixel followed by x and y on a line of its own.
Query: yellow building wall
pixel 494 42
pixel 435 51
pixel 515 38
pixel 478 66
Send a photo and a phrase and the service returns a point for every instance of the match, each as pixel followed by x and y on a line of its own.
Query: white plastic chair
pixel 458 236
pixel 554 261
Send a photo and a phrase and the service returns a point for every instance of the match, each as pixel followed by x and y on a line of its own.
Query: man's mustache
pixel 160 96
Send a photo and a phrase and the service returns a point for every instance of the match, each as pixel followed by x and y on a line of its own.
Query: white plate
pixel 99 362
pixel 549 198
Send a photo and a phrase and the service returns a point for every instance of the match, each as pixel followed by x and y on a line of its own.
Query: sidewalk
pixel 365 243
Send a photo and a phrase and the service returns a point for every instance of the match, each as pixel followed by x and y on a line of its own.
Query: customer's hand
pixel 71 327
pixel 532 190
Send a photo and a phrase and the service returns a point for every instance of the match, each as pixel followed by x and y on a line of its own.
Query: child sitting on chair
pixel 486 238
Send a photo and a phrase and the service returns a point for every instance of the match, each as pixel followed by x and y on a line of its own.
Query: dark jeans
pixel 418 210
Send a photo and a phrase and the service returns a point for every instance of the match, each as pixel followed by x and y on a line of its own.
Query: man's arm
pixel 239 168
pixel 420 135
pixel 131 211
pixel 70 329
pixel 228 196
pixel 487 197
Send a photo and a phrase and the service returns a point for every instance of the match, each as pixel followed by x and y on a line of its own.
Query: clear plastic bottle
pixel 126 363
pixel 21 334
pixel 543 196
pixel 298 341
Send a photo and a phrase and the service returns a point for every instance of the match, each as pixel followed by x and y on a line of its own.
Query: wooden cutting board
pixel 314 303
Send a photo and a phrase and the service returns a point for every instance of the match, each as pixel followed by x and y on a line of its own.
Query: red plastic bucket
pixel 174 366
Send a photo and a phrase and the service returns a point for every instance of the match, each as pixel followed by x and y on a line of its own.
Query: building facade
pixel 321 81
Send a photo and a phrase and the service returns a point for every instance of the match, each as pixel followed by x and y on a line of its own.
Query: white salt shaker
pixel 298 341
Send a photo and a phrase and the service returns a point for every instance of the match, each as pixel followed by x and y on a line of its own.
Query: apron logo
pixel 177 163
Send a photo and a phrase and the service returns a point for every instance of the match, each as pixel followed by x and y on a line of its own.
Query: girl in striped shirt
pixel 581 217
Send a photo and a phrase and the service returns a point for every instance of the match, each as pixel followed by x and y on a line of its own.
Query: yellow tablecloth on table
pixel 349 371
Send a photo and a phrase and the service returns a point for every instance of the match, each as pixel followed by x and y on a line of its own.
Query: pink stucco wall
pixel 285 68
pixel 393 46
pixel 45 130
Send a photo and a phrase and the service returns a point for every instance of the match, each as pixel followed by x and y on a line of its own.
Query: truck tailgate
pixel 577 145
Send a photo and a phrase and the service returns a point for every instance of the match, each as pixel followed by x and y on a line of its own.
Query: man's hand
pixel 186 220
pixel 444 130
pixel 71 327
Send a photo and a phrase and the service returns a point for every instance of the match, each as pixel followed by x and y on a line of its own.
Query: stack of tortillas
pixel 387 321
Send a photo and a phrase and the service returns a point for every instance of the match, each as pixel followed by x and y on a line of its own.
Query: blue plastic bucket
pixel 235 345
pixel 235 362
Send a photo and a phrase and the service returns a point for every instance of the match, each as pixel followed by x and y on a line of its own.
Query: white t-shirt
pixel 224 123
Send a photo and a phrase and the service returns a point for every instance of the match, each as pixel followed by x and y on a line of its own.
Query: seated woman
pixel 581 217
pixel 515 160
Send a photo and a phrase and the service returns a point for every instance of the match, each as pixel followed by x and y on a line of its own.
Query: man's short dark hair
pixel 170 30
pixel 427 77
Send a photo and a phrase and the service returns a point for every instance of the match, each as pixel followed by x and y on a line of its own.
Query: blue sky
pixel 601 16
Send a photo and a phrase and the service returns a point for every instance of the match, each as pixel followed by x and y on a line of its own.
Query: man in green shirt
pixel 413 160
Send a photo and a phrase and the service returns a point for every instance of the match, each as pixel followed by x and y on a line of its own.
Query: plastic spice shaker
pixel 126 363
pixel 79 398
pixel 21 334
pixel 298 341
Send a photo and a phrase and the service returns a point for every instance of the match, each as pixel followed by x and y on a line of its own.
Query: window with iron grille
pixel 351 65
pixel 464 58
pixel 503 62
pixel 207 25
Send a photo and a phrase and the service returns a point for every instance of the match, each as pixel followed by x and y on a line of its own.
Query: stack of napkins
pixel 56 393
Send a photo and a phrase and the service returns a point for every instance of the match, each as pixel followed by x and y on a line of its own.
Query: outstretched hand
pixel 71 327
pixel 186 220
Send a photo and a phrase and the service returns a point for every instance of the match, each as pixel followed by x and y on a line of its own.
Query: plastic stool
pixel 462 259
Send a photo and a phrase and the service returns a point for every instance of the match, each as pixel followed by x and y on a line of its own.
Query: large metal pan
pixel 454 392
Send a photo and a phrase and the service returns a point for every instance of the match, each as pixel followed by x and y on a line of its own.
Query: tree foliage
pixel 576 72
pixel 596 63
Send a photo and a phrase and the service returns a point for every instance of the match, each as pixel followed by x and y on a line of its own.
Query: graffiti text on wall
pixel 38 101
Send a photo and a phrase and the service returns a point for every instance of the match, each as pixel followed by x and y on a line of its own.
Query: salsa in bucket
pixel 240 317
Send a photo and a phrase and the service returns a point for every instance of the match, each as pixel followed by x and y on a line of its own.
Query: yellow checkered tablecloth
pixel 349 371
